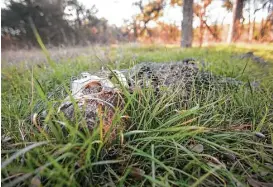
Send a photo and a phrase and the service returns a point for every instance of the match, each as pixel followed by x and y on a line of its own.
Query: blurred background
pixel 86 22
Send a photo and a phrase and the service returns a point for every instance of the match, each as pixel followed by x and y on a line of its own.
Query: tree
pixel 200 12
pixel 187 31
pixel 58 22
pixel 199 9
pixel 254 7
pixel 47 18
pixel 149 12
pixel 237 10
pixel 154 9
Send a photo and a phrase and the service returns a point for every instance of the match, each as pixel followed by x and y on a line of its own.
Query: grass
pixel 208 141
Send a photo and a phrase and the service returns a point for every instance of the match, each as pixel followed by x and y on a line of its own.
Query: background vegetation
pixel 69 22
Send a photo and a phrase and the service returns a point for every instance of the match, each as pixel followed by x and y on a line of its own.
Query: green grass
pixel 208 141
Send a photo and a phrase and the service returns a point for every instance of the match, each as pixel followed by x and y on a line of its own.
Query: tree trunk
pixel 251 29
pixel 201 31
pixel 135 30
pixel 78 18
pixel 235 24
pixel 186 30
pixel 262 28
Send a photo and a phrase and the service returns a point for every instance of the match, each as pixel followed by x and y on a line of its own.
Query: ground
pixel 221 137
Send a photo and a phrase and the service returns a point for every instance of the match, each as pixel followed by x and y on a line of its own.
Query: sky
pixel 116 11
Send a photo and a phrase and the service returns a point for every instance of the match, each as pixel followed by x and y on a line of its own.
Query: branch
pixel 212 33
pixel 262 7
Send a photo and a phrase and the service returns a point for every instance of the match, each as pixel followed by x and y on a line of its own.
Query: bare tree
pixel 235 24
pixel 148 12
pixel 200 10
pixel 264 5
pixel 187 30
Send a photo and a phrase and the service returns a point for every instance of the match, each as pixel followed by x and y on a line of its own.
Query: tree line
pixel 191 9
pixel 58 22
pixel 68 22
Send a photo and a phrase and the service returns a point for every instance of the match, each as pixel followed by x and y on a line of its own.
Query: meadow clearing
pixel 221 138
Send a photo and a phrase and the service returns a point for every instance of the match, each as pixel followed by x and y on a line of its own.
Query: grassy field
pixel 219 138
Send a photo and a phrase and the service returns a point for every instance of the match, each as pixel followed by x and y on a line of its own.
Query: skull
pixel 97 99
